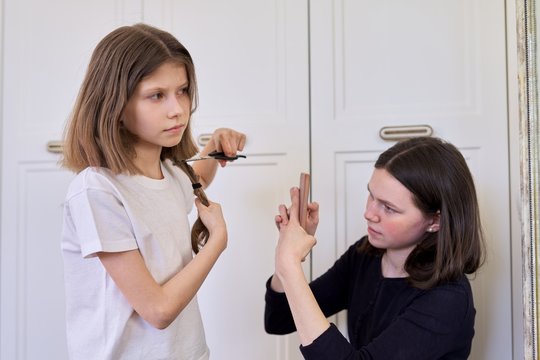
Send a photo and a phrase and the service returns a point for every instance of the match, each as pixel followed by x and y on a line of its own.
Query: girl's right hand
pixel 212 218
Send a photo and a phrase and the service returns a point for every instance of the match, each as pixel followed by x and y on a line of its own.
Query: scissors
pixel 216 155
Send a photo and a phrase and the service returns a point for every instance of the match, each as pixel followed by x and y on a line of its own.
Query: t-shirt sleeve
pixel 100 222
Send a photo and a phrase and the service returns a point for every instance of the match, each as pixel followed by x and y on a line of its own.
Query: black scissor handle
pixel 220 155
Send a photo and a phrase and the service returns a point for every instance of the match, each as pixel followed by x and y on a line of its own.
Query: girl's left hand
pixel 212 218
pixel 227 140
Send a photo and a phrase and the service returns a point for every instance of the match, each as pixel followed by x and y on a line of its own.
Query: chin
pixel 171 144
pixel 377 243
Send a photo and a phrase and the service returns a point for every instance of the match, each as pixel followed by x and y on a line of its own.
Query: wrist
pixel 288 268
pixel 217 239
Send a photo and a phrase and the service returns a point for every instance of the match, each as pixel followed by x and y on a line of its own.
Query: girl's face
pixel 394 222
pixel 158 112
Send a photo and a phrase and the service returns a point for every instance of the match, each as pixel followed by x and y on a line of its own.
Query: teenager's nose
pixel 176 107
pixel 370 214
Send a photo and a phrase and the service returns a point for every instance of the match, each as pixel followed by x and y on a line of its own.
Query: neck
pixel 155 173
pixel 392 265
pixel 149 164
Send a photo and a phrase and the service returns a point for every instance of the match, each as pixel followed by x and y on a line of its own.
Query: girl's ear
pixel 434 224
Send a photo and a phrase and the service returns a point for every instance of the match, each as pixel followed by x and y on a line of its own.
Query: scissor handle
pixel 220 155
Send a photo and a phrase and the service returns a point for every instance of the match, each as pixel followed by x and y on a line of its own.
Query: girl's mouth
pixel 174 129
pixel 372 231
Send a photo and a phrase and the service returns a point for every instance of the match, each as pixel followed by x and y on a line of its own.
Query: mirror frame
pixel 529 167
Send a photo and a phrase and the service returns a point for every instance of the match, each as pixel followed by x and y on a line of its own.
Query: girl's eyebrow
pixel 386 202
pixel 151 87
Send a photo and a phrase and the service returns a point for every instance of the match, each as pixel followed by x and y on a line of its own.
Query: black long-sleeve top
pixel 387 317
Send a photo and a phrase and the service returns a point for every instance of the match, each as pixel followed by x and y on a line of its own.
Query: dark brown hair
pixel 94 135
pixel 438 177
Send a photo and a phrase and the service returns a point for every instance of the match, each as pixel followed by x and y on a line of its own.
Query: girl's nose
pixel 176 109
pixel 370 214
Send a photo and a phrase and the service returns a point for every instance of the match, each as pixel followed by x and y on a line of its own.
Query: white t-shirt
pixel 113 213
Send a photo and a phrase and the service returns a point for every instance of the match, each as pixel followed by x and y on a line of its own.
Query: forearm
pixel 206 169
pixel 181 288
pixel 276 284
pixel 227 140
pixel 160 304
pixel 309 319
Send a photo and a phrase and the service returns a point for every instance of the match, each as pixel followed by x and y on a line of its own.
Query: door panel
pixel 45 53
pixel 255 81
pixel 393 63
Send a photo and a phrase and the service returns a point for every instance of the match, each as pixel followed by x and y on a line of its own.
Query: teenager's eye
pixel 183 91
pixel 156 96
pixel 388 209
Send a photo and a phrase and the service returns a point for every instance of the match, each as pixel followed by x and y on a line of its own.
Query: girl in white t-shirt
pixel 130 273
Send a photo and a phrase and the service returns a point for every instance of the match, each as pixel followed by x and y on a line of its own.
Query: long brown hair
pixel 438 177
pixel 94 135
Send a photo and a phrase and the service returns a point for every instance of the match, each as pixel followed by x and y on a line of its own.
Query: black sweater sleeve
pixel 331 290
pixel 278 319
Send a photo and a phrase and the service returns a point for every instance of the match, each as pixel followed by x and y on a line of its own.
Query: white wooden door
pixel 46 46
pixel 398 63
pixel 251 60
pixel 252 66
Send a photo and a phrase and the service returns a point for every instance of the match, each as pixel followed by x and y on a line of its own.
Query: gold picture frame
pixel 529 167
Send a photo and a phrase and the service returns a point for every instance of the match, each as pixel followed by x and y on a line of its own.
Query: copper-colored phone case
pixel 304 198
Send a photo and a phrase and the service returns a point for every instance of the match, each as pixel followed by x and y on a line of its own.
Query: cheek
pixel 393 228
pixel 185 103
pixel 403 231
pixel 129 124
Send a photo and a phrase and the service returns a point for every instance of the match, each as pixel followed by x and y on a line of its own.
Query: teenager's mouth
pixel 372 231
pixel 176 128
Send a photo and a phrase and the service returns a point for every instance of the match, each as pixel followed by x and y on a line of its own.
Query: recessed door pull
pixel 55 147
pixel 203 139
pixel 404 132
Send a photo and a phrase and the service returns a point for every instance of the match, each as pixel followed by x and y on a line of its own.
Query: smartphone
pixel 304 198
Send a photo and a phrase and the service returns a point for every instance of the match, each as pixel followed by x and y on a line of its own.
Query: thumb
pixel 199 204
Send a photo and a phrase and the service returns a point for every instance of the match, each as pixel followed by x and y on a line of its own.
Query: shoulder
pixel 178 177
pixel 451 293
pixel 177 174
pixel 358 255
pixel 356 261
pixel 445 306
pixel 94 178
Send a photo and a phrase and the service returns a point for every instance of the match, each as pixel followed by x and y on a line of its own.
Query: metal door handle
pixel 405 132
pixel 55 147
pixel 203 139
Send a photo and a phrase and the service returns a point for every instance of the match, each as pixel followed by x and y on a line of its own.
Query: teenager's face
pixel 394 222
pixel 159 109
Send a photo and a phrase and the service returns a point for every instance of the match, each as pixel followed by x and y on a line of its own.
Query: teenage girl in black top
pixel 404 284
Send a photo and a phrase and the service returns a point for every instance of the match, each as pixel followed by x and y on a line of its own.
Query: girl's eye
pixel 156 96
pixel 182 91
pixel 388 209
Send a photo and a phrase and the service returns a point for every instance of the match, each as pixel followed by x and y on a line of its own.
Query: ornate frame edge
pixel 529 168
